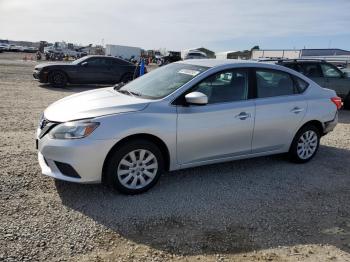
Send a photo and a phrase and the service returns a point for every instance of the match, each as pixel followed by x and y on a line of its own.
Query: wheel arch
pixel 152 138
pixel 318 124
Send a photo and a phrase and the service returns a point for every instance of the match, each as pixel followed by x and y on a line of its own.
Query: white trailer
pixel 124 52
pixel 223 55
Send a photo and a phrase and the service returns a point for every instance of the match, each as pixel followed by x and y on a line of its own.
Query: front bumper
pixel 85 156
pixel 40 76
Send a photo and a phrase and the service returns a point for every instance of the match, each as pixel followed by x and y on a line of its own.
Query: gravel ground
pixel 263 209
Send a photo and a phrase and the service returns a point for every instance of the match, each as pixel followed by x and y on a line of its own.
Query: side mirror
pixel 196 98
pixel 84 64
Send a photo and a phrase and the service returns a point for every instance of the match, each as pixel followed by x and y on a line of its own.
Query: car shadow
pixel 344 116
pixel 74 88
pixel 229 208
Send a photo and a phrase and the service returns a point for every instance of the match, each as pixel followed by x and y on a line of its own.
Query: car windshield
pixel 163 81
pixel 75 62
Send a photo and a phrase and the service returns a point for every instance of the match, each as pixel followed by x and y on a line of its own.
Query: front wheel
pixel 305 144
pixel 135 167
pixel 57 79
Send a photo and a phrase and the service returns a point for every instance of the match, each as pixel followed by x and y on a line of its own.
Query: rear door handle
pixel 243 115
pixel 297 110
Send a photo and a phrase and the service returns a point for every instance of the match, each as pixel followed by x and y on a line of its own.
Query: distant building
pixel 276 54
pixel 326 54
pixel 244 55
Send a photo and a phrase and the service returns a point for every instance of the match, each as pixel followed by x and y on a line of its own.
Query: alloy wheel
pixel 137 169
pixel 307 144
pixel 58 78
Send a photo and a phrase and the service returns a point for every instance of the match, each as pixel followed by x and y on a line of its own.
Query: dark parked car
pixel 172 57
pixel 323 73
pixel 86 70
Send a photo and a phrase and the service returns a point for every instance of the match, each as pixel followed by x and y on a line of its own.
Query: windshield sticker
pixel 189 72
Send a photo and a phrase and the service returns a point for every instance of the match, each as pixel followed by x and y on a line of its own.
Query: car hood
pixel 42 65
pixel 94 103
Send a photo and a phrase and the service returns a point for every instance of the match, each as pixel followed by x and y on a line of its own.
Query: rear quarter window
pixel 300 84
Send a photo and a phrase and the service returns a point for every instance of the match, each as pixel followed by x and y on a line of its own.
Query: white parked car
pixel 185 114
pixel 195 55
pixel 4 47
pixel 14 48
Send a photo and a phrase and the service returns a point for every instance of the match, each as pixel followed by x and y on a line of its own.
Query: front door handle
pixel 297 110
pixel 243 115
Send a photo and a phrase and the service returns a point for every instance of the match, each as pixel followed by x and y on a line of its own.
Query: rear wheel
pixel 58 79
pixel 305 144
pixel 135 167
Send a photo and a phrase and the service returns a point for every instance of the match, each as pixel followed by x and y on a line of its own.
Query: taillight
pixel 337 101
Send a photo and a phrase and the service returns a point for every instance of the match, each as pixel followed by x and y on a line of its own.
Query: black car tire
pixel 347 102
pixel 114 163
pixel 57 79
pixel 296 148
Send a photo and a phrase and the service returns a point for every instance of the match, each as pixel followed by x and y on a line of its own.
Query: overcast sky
pixel 177 24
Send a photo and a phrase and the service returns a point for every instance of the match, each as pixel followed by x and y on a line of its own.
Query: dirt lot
pixel 264 209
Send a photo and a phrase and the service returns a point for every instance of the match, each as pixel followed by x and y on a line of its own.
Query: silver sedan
pixel 183 115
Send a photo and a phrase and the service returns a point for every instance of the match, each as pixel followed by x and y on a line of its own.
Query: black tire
pixel 293 152
pixel 347 102
pixel 127 78
pixel 58 79
pixel 114 162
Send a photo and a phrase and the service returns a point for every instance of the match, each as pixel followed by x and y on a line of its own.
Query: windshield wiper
pixel 118 86
pixel 126 92
pixel 135 93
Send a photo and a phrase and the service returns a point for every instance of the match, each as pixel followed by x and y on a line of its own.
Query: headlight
pixel 73 130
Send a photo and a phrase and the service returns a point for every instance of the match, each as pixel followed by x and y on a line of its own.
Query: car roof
pixel 221 62
pixel 301 61
pixel 218 63
pixel 293 61
pixel 103 56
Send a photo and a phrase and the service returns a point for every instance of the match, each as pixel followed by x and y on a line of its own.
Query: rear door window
pixel 120 62
pixel 294 66
pixel 312 70
pixel 271 83
pixel 96 61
